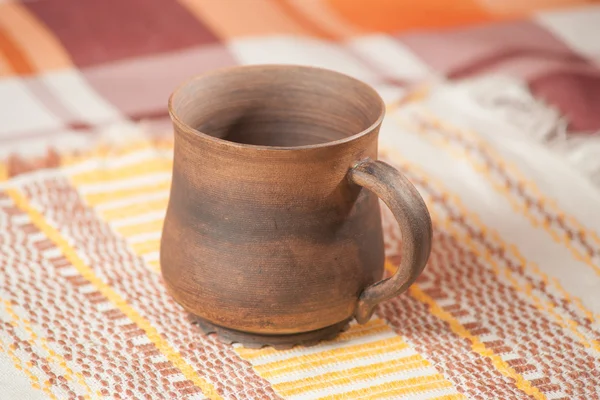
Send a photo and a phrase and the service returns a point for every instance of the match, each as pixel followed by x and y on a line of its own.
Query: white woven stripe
pixel 144 237
pixel 128 201
pixel 138 219
pixel 153 256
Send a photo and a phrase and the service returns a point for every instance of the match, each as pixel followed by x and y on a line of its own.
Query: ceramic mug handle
pixel 412 215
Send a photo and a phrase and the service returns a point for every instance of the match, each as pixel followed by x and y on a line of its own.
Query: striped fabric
pixel 508 306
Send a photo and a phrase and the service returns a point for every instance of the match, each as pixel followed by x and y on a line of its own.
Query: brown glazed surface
pixel 265 231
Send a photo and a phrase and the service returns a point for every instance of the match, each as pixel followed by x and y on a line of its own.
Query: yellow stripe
pixel 53 357
pixel 385 393
pixel 146 227
pixel 85 271
pixel 476 344
pixel 309 361
pixel 105 197
pixel 345 377
pixel 135 209
pixel 154 266
pixel 142 168
pixel 500 186
pixel 106 151
pixel 374 326
pixel 146 247
pixel 3 172
pixel 399 388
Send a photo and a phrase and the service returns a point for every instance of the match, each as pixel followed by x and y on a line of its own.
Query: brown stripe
pixel 143 290
pixel 17 60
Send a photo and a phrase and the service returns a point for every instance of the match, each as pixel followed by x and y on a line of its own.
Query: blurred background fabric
pixel 72 67
pixel 493 113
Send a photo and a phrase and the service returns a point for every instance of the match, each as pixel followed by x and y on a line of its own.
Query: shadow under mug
pixel 273 231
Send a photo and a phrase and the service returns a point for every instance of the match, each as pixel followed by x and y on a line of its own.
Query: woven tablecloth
pixel 508 306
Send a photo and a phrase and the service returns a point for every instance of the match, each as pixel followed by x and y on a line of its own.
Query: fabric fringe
pixel 511 100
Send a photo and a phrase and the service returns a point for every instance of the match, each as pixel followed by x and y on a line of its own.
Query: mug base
pixel 279 342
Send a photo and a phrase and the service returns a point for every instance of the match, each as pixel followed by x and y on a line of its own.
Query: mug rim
pixel 223 70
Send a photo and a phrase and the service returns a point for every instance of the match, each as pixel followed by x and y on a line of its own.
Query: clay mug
pixel 273 231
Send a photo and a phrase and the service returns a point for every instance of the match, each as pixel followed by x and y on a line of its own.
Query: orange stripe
pixel 38 44
pixel 5 68
pixel 16 58
pixel 319 12
pixel 398 15
pixel 305 22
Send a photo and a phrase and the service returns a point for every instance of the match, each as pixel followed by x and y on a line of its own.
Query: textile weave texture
pixel 508 306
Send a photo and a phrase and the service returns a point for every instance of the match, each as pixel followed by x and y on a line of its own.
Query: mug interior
pixel 282 106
